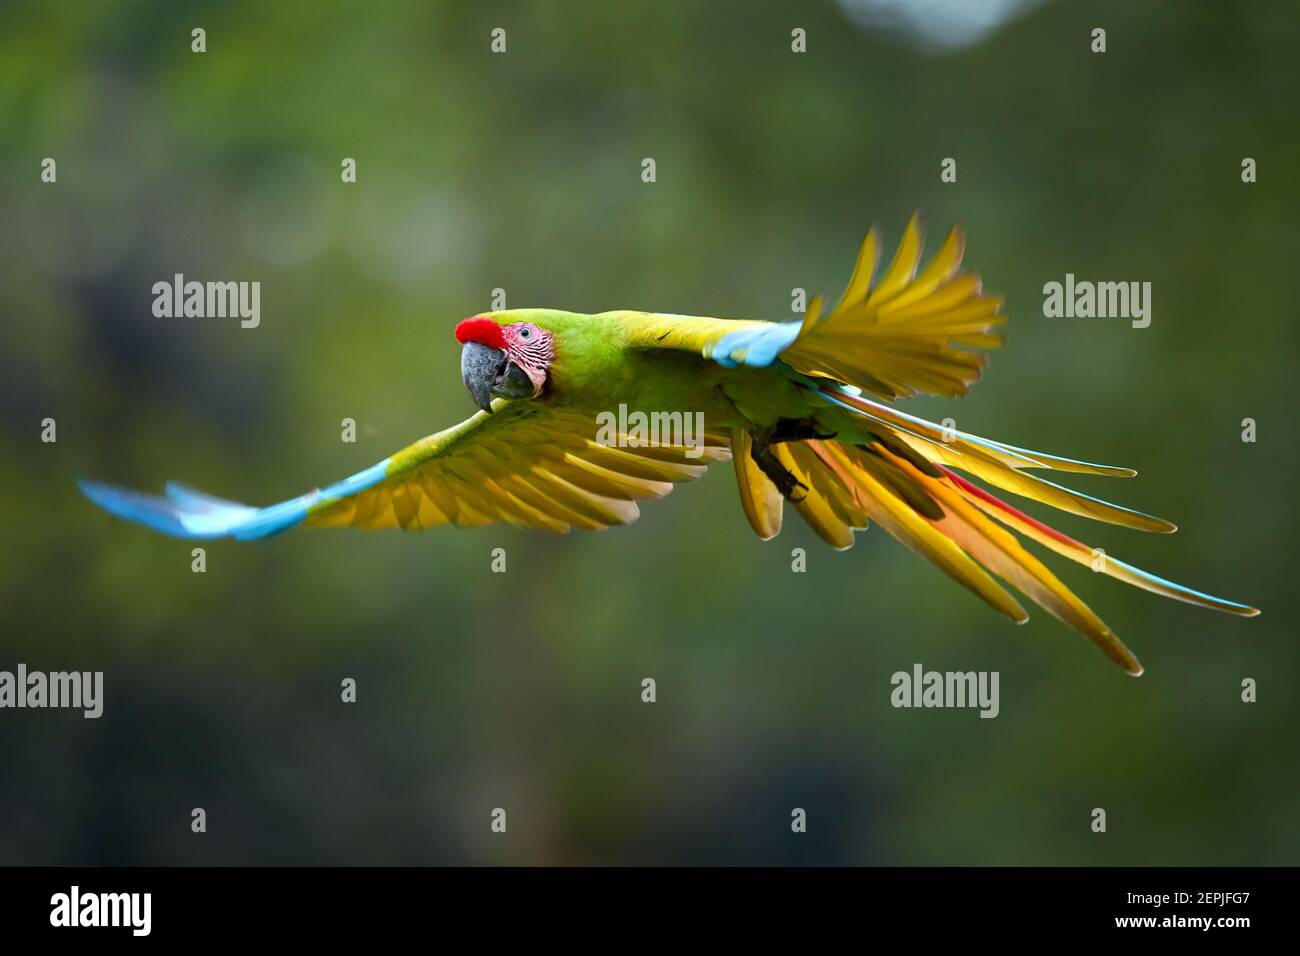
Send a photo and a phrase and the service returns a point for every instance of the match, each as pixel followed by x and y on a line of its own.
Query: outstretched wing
pixel 526 464
pixel 905 333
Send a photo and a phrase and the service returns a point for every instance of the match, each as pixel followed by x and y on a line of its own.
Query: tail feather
pixel 907 484
pixel 909 527
pixel 999 550
pixel 1103 563
pixel 964 443
pixel 1000 466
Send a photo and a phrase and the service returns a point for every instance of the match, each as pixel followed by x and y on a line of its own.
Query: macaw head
pixel 503 359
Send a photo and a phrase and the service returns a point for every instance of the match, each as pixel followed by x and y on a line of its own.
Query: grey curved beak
pixel 481 367
pixel 487 372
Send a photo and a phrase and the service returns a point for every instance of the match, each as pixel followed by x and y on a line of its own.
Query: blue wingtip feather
pixel 186 513
pixel 183 514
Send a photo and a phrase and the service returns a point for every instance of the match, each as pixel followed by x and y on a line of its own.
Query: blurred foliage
pixel 521 690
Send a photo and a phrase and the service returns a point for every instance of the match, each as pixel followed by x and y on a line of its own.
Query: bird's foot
pixel 790 487
pixel 797 429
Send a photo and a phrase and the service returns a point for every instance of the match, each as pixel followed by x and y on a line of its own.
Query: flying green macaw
pixel 787 402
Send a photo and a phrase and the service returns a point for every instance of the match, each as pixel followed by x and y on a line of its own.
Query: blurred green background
pixel 522 171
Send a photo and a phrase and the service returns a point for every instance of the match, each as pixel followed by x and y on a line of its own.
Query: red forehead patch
pixel 481 330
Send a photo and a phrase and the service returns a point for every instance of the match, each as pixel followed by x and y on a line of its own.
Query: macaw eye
pixel 525 333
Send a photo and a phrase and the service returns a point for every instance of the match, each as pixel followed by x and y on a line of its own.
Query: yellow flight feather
pixel 527 464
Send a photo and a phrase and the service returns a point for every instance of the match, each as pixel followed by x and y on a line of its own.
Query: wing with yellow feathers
pixel 906 333
pixel 909 332
pixel 526 464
